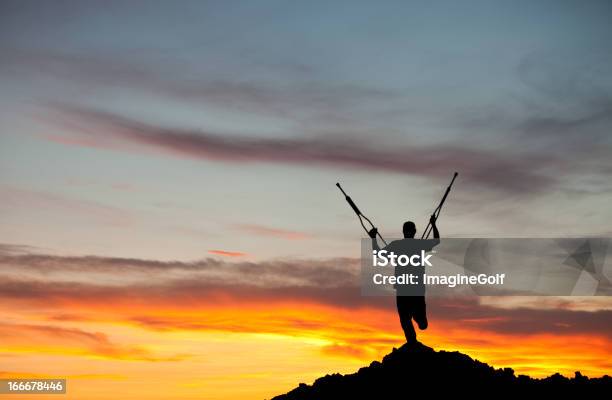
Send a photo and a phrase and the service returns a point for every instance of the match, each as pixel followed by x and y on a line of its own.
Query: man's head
pixel 409 229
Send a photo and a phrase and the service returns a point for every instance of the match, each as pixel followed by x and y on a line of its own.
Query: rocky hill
pixel 418 370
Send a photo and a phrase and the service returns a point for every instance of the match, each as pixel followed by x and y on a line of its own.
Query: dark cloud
pixel 462 312
pixel 533 163
pixel 469 313
pixel 570 108
pixel 14 249
pixel 274 273
pixel 558 76
pixel 182 293
pixel 562 114
pixel 296 95
pixel 265 284
pixel 565 109
pixel 510 173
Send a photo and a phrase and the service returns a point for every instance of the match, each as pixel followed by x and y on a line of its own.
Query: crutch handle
pixel 349 200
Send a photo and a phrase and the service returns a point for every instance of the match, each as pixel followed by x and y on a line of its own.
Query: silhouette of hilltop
pixel 413 368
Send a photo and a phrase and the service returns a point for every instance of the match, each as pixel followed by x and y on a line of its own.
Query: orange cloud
pixel 362 334
pixel 144 314
pixel 52 339
pixel 227 253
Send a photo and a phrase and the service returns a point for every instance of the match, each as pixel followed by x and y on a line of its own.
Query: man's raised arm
pixel 436 233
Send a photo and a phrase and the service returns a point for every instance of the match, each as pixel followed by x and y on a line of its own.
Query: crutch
pixel 359 214
pixel 436 212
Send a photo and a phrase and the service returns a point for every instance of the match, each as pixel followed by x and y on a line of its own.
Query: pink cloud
pixel 225 253
pixel 274 232
pixel 517 173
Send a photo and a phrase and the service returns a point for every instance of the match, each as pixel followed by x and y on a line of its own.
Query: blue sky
pixel 166 130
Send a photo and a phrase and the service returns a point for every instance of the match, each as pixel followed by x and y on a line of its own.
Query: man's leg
pixel 405 316
pixel 419 313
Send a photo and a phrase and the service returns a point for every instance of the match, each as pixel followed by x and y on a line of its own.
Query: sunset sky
pixel 169 224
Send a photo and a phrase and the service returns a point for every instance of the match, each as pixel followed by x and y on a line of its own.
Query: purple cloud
pixel 513 173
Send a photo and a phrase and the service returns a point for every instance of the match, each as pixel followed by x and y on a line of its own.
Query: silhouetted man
pixel 410 298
